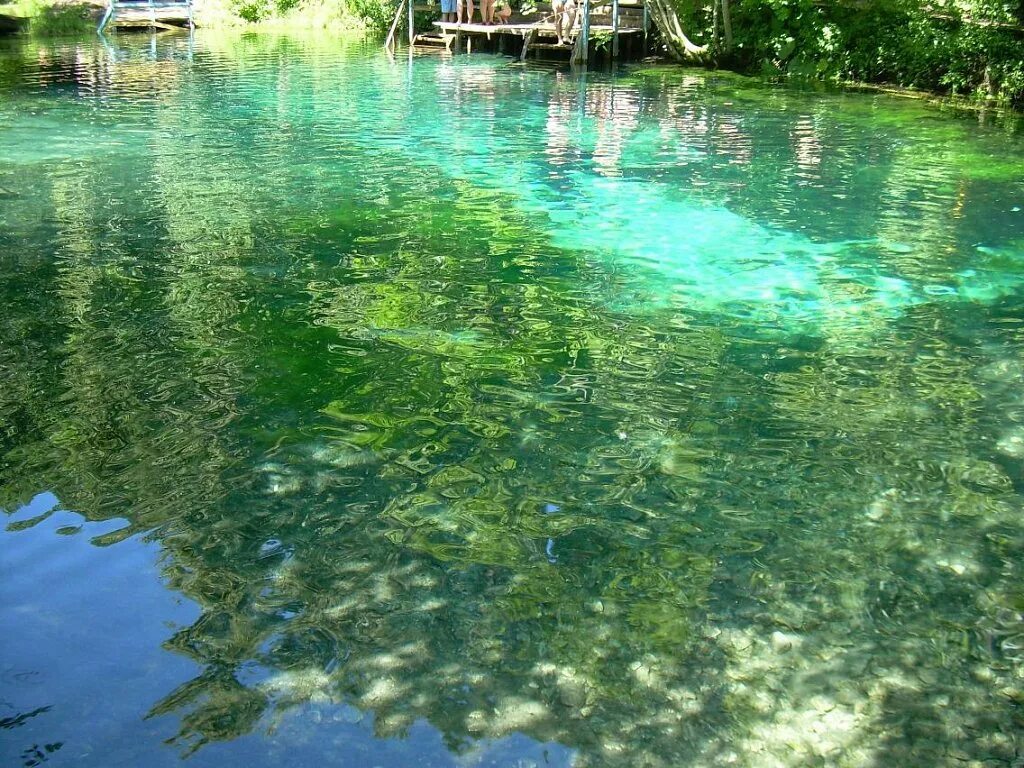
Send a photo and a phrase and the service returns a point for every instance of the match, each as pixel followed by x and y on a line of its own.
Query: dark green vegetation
pixel 671 417
pixel 51 19
pixel 967 47
pixel 374 15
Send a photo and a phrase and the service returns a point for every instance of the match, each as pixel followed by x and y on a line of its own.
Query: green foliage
pixel 53 19
pixel 372 14
pixel 601 40
pixel 377 14
pixel 971 48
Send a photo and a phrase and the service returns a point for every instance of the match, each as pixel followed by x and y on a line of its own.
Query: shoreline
pixel 20 25
pixel 989 107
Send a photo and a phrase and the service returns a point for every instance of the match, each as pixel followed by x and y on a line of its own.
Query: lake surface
pixel 361 411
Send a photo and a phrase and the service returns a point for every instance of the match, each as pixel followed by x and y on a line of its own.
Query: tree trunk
pixel 726 25
pixel 679 45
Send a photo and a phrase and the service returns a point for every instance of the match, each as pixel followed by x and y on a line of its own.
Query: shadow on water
pixel 413 450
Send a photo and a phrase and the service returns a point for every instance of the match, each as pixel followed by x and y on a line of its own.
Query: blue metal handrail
pixel 106 17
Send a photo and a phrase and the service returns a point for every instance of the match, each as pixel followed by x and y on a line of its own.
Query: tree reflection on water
pixel 410 457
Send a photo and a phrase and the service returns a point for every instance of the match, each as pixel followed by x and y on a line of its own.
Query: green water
pixel 448 412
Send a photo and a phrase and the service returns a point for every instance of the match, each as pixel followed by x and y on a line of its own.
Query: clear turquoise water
pixel 446 411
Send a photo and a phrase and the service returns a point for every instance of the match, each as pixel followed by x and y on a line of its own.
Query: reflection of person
pixel 448 10
pixel 565 18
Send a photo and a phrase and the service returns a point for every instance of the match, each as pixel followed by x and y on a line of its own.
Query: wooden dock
pixel 609 27
pixel 527 37
pixel 155 14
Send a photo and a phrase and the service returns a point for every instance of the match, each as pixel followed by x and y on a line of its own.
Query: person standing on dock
pixel 486 11
pixel 565 17
pixel 448 10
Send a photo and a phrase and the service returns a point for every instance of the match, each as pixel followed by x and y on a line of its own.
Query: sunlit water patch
pixel 451 410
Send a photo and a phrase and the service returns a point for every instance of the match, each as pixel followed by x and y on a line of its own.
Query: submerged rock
pixel 783 642
pixel 982 476
pixel 883 505
pixel 1005 371
pixel 283 485
pixel 1012 443
pixel 342 456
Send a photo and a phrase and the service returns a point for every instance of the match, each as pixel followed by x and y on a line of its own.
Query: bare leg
pixel 556 8
pixel 469 11
pixel 487 11
pixel 570 17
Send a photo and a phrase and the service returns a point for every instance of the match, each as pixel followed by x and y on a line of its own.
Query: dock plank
pixel 522 29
